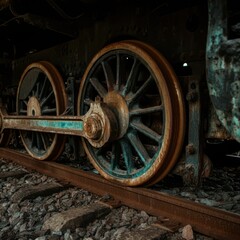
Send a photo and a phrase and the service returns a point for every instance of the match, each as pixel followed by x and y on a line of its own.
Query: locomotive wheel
pixel 131 79
pixel 41 92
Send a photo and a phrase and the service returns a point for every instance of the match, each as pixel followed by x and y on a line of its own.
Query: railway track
pixel 205 220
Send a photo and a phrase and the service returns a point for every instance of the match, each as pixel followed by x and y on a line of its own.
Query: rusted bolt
pixel 93 128
pixel 190 150
pixel 192 96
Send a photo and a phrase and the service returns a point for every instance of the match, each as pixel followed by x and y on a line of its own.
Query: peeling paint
pixel 223 68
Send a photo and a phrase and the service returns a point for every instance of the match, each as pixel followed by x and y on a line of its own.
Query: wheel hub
pixel 33 107
pixel 119 106
pixel 93 127
pixel 100 124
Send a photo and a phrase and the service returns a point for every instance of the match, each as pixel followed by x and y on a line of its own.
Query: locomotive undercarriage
pixel 138 114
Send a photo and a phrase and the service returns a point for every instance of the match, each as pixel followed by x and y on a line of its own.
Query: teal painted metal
pixel 223 68
pixel 75 126
pixel 194 159
pixel 56 124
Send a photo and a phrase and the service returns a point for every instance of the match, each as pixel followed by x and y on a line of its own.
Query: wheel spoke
pixel 139 148
pixel 43 87
pixel 37 89
pixel 132 77
pixel 44 101
pixel 88 101
pixel 23 107
pixel 45 141
pixel 99 151
pixel 141 111
pixel 115 156
pixel 23 111
pixel 5 138
pixel 98 87
pixel 33 93
pixel 49 111
pixel 127 155
pixel 108 75
pixel 146 131
pixel 140 91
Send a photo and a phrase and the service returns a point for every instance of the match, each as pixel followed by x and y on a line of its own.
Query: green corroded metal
pixel 64 125
pixel 223 68
pixel 70 126
pixel 193 162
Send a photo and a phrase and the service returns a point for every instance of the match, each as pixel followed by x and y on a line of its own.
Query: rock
pixel 149 233
pixel 187 232
pixel 41 238
pixel 209 202
pixel 188 195
pixel 236 198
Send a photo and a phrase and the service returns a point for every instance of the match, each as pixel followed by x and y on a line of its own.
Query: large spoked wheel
pixel 139 86
pixel 41 92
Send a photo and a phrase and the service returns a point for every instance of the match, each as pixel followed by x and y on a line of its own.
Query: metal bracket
pixel 194 156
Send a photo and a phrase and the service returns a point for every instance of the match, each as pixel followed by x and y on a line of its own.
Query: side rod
pixel 98 125
pixel 53 124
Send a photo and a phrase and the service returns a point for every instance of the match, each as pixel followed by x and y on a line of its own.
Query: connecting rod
pixel 98 125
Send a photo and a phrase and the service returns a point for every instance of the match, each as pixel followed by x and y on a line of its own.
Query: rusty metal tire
pixel 150 131
pixel 41 92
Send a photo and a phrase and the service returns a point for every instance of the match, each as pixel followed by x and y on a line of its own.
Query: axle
pixel 98 125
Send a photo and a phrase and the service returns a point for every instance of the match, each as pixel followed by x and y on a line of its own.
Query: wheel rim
pixel 41 93
pixel 128 79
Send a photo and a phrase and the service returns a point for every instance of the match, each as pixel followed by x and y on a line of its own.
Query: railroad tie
pixel 76 217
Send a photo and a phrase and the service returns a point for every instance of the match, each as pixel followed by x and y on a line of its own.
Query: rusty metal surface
pixel 209 221
pixel 222 65
pixel 194 157
pixel 55 124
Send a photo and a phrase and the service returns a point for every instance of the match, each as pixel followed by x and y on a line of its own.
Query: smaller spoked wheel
pixel 41 92
pixel 132 79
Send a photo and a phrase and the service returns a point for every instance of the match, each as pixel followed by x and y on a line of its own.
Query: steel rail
pixel 212 222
